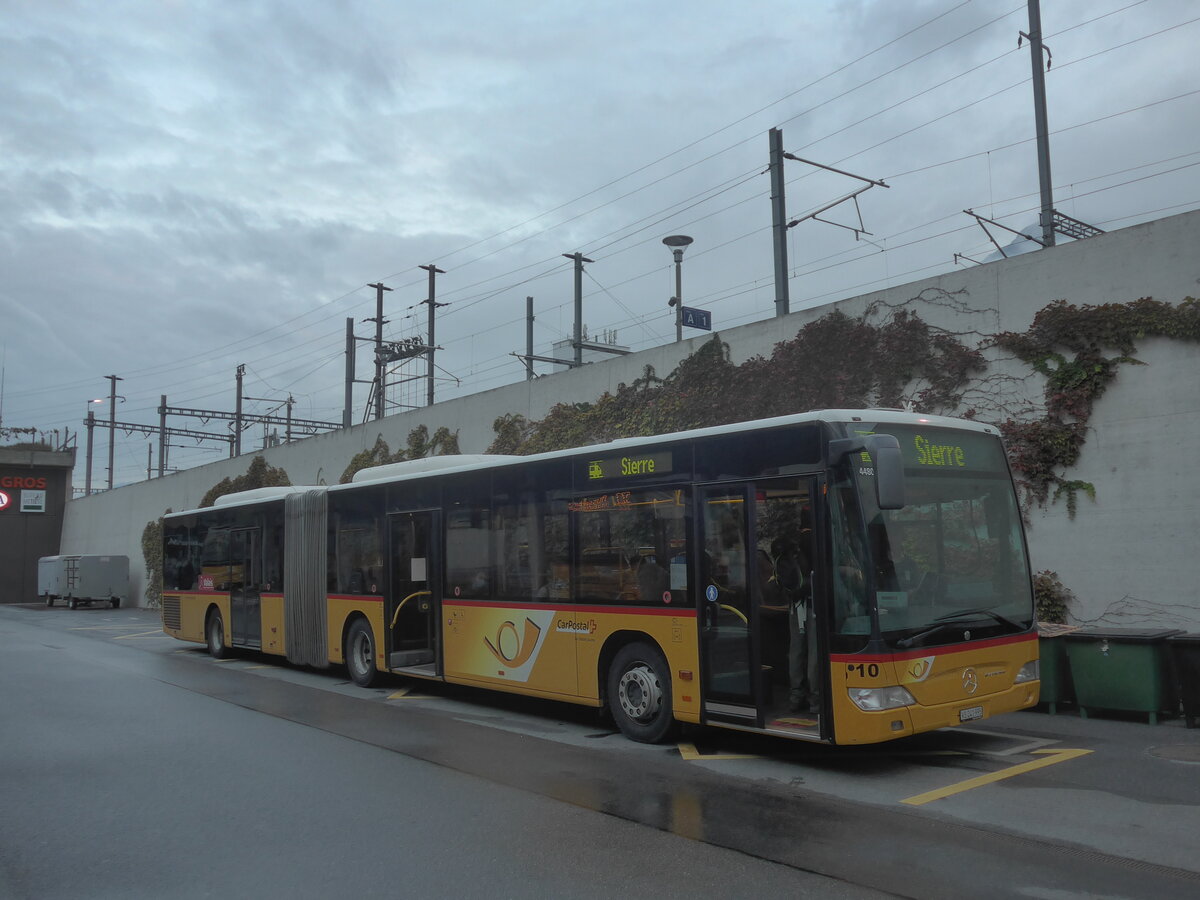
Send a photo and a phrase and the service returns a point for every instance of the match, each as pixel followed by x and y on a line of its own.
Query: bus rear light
pixel 876 699
pixel 1031 671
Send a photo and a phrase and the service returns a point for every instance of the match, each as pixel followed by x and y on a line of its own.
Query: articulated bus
pixel 846 576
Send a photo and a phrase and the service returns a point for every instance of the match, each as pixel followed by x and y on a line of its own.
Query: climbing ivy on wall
pixel 152 554
pixel 842 361
pixel 258 475
pixel 1079 349
pixel 835 361
pixel 443 443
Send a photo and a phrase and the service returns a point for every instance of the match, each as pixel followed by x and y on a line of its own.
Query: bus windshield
pixel 951 566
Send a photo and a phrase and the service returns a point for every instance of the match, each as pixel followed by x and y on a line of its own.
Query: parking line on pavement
pixel 156 632
pixel 1049 758
pixel 690 753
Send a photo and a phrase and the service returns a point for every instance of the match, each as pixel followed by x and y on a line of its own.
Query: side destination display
pixel 634 465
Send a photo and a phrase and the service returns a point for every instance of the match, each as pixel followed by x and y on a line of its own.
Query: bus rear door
pixel 414 586
pixel 245 585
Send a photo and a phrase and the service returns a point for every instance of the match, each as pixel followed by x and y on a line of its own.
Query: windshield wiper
pixel 949 620
pixel 982 611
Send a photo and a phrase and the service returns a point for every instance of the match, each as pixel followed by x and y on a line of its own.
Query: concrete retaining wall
pixel 1130 556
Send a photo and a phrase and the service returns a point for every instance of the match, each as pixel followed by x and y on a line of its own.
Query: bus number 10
pixel 871 670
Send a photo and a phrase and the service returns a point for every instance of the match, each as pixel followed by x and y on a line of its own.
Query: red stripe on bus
pixel 366 598
pixel 623 610
pixel 931 651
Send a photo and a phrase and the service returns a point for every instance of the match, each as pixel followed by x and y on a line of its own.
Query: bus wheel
pixel 73 603
pixel 639 693
pixel 49 600
pixel 116 601
pixel 214 635
pixel 360 654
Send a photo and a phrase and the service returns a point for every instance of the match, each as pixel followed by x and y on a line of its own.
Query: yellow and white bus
pixel 847 576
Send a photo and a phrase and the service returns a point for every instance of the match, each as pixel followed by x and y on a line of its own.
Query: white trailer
pixel 84 579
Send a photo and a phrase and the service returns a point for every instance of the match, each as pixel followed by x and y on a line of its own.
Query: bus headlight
pixel 1031 671
pixel 875 699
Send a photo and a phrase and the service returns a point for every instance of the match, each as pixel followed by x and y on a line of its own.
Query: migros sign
pixel 29 482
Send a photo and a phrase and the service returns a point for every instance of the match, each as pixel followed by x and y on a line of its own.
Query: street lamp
pixel 678 243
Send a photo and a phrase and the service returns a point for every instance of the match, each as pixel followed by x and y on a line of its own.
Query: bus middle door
pixel 727 616
pixel 245 585
pixel 414 590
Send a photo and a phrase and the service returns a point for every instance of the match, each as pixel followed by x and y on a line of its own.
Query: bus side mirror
pixel 884 451
pixel 889 470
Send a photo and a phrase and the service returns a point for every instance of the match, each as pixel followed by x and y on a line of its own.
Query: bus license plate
pixel 970 714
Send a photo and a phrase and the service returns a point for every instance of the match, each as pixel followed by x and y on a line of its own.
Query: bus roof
pixel 477 462
pixel 398 472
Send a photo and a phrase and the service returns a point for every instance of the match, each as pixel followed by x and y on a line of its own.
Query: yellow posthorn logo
pixel 522 647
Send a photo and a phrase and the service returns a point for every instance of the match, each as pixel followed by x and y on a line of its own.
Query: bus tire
pixel 72 603
pixel 639 693
pixel 214 635
pixel 49 600
pixel 116 601
pixel 360 654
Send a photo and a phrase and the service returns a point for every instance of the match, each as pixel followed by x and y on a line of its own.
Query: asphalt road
pixel 131 765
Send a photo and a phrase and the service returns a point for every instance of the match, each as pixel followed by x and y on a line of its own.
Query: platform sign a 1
pixel 697 318
pixel 5 499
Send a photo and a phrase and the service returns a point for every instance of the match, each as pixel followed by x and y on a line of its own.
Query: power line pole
pixel 112 419
pixel 580 259
pixel 380 366
pixel 433 271
pixel 162 434
pixel 1040 121
pixel 346 412
pixel 91 428
pixel 779 222
pixel 237 421
pixel 529 339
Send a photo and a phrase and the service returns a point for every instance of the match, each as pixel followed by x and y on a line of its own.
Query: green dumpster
pixel 1123 669
pixel 1185 659
pixel 1055 670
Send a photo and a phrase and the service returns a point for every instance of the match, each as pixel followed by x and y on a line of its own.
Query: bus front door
pixel 758 635
pixel 726 611
pixel 245 585
pixel 413 596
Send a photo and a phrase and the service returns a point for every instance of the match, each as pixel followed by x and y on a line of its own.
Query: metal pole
pixel 237 420
pixel 779 223
pixel 162 434
pixel 433 271
pixel 580 259
pixel 346 412
pixel 112 423
pixel 91 427
pixel 149 459
pixel 678 294
pixel 528 338
pixel 1040 122
pixel 290 403
pixel 380 370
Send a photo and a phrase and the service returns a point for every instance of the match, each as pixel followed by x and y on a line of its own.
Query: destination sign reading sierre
pixel 942 449
pixel 630 466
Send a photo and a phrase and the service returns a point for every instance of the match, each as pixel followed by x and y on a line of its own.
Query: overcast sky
pixel 188 186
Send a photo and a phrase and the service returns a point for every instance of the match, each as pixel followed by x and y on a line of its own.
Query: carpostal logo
pixel 576 626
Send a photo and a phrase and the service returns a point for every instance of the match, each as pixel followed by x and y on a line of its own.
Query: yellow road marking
pixel 1049 758
pixel 690 753
pixel 99 627
pixel 248 668
pixel 407 694
pixel 226 659
pixel 156 633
